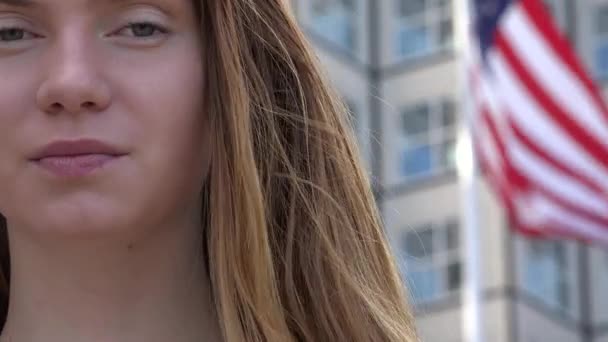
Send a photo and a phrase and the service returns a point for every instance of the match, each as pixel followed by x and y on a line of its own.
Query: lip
pixel 76 158
pixel 72 148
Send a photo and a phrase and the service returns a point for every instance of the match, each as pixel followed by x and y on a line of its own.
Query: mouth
pixel 76 158
pixel 76 165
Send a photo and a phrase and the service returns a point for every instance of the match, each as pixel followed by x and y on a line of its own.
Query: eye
pixel 13 34
pixel 143 29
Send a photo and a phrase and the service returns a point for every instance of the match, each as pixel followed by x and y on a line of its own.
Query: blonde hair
pixel 295 246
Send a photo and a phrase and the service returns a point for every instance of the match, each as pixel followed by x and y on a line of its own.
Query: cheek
pixel 17 105
pixel 17 94
pixel 175 133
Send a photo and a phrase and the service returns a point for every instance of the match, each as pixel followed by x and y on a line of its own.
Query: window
pixel 335 20
pixel 600 30
pixel 423 27
pixel 429 132
pixel 557 9
pixel 431 266
pixel 547 272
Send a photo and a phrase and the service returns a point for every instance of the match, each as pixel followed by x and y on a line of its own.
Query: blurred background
pixel 397 65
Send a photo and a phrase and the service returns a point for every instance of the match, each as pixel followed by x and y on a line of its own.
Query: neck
pixel 152 288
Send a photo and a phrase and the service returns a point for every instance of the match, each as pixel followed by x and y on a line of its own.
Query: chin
pixel 79 221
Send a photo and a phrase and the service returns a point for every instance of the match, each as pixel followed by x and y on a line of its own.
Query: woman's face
pixel 125 73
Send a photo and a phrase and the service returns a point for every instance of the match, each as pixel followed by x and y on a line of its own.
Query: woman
pixel 178 170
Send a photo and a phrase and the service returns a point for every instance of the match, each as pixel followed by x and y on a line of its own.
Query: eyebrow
pixel 18 3
pixel 33 3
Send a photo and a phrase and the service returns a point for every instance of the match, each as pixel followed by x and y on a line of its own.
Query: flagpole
pixel 472 328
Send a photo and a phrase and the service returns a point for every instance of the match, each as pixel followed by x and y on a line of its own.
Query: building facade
pixel 396 63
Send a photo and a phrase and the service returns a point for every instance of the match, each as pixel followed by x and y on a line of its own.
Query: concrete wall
pixel 582 23
pixel 598 272
pixel 353 85
pixel 442 202
pixel 446 325
pixel 603 338
pixel 442 326
pixel 431 82
pixel 534 326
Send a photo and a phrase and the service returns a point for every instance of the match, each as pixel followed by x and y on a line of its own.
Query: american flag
pixel 540 125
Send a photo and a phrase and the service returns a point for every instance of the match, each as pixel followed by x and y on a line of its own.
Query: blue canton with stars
pixel 488 14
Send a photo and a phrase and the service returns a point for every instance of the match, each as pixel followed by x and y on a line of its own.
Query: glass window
pixel 600 54
pixel 547 273
pixel 447 154
pixel 429 139
pixel 411 7
pixel 454 274
pixel 452 234
pixel 424 285
pixel 419 244
pixel 416 120
pixel 335 20
pixel 448 113
pixel 557 9
pixel 423 27
pixel 418 160
pixel 431 263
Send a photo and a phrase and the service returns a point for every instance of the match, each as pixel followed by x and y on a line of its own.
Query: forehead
pixel 19 3
pixel 35 3
pixel 172 7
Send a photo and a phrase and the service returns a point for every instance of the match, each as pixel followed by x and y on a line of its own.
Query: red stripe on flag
pixel 578 133
pixel 524 184
pixel 554 162
pixel 550 230
pixel 495 182
pixel 516 182
pixel 506 195
pixel 512 175
pixel 562 50
pixel 573 208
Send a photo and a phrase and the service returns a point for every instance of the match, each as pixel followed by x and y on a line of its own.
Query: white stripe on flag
pixel 537 124
pixel 490 151
pixel 553 214
pixel 534 168
pixel 556 78
pixel 552 129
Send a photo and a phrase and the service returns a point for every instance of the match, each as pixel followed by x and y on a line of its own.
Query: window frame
pixel 598 41
pixel 563 283
pixel 438 261
pixel 430 20
pixel 435 138
pixel 351 44
pixel 557 9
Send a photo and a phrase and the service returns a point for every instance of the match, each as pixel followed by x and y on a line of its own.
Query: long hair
pixel 294 244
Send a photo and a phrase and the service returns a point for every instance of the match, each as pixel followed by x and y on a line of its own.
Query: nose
pixel 72 83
